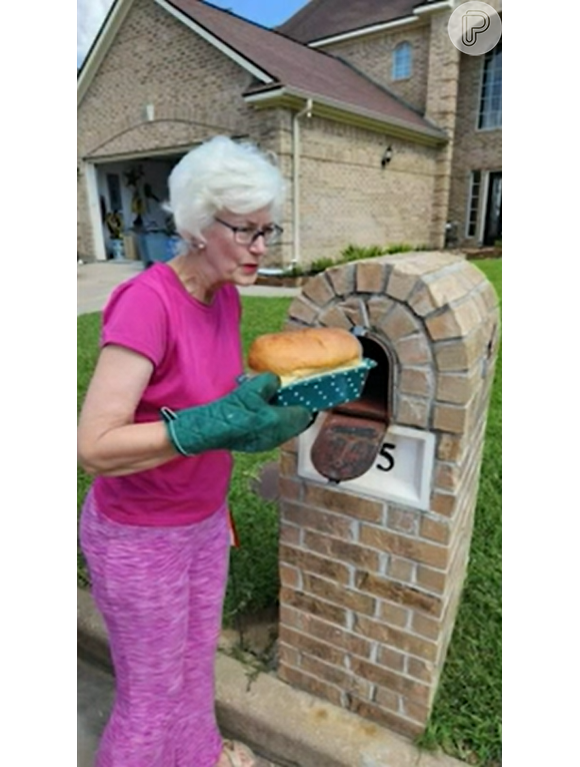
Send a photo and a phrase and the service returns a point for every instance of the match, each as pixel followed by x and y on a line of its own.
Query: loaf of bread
pixel 297 354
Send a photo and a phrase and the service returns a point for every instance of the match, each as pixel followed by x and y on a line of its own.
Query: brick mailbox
pixel 372 567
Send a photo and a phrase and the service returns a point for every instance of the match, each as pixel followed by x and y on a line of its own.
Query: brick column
pixel 441 108
pixel 370 588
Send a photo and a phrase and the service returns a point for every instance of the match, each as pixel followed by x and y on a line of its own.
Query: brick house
pixel 384 131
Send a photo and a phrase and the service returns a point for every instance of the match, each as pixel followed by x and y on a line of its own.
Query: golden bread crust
pixel 304 352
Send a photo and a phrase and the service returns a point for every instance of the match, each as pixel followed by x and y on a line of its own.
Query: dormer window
pixel 490 96
pixel 402 60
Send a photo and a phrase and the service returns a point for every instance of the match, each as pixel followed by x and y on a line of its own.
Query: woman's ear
pixel 195 245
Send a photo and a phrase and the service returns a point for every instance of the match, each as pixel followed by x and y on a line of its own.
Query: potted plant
pixel 114 223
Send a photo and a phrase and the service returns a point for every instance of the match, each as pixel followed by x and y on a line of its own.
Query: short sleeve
pixel 136 318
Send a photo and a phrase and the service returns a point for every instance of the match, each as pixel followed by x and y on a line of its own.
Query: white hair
pixel 222 174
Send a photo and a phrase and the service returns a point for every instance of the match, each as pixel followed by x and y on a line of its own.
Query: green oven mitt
pixel 242 420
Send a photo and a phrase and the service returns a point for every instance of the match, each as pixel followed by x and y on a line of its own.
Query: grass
pixel 466 719
pixel 254 583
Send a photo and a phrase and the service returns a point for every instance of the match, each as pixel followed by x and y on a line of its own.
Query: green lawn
pixel 466 719
pixel 539 424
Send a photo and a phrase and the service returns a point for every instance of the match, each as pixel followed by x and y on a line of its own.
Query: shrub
pixel 352 253
pixel 357 252
pixel 320 264
pixel 400 247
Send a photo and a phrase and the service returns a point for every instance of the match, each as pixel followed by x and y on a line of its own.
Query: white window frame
pixel 470 196
pixel 481 111
pixel 404 50
pixel 482 213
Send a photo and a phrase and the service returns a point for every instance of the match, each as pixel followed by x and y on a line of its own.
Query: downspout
pixel 307 110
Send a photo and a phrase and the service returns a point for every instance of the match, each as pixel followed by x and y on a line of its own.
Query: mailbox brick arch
pixel 370 587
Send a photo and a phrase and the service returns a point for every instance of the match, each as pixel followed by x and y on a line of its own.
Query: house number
pixel 401 472
pixel 384 452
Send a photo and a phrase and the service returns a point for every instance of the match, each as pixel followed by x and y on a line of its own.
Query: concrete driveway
pixel 96 280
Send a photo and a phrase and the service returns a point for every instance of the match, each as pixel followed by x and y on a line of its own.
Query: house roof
pixel 285 63
pixel 282 69
pixel 319 19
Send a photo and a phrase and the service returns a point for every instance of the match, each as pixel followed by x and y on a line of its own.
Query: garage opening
pixel 133 223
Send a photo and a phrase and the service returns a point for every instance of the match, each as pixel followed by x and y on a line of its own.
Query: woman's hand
pixel 109 441
pixel 242 420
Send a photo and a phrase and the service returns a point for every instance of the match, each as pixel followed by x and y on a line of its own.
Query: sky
pixel 550 49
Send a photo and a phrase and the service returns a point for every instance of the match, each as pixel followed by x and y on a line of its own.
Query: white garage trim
pixel 94 212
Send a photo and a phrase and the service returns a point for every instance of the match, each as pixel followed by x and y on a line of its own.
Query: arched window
pixel 402 60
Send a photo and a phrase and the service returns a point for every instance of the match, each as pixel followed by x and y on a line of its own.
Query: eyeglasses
pixel 247 235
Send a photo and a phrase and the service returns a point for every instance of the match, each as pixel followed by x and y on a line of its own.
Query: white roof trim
pixel 138 155
pixel 341 106
pixel 386 25
pixel 119 11
pixel 364 31
pixel 281 90
pixel 217 43
pixel 429 7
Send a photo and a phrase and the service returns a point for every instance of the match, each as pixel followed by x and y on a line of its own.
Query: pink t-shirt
pixel 196 353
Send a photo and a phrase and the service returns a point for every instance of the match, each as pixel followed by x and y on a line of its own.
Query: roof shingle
pixel 302 69
pixel 324 18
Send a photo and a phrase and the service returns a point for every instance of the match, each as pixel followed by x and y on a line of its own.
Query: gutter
pixel 281 95
pixel 305 111
pixel 362 32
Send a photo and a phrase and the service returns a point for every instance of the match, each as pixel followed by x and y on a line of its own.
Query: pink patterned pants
pixel 160 591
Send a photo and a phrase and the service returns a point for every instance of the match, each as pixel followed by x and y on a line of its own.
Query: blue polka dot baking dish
pixel 328 390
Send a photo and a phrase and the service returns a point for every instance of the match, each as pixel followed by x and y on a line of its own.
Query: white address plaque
pixel 402 471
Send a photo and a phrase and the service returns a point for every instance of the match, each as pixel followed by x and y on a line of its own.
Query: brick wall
pixel 474 149
pixel 445 86
pixel 373 55
pixel 347 197
pixel 155 59
pixel 441 108
pixel 370 588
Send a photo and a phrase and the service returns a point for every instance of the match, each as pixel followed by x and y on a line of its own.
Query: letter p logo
pixel 474 27
pixel 473 23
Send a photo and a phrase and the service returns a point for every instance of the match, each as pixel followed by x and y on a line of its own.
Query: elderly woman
pixel 162 414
